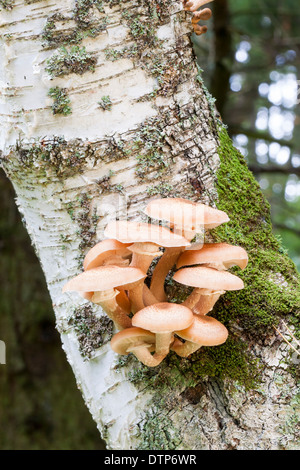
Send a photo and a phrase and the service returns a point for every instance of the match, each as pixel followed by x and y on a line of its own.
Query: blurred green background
pixel 250 59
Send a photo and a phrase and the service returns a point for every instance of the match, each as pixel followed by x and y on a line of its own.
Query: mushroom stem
pixel 193 298
pixel 185 349
pixel 136 297
pixel 148 297
pixel 163 341
pixel 141 261
pixel 143 354
pixel 107 300
pixel 206 302
pixel 143 254
pixel 161 271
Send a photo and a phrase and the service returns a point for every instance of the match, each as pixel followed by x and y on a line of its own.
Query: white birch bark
pixel 51 190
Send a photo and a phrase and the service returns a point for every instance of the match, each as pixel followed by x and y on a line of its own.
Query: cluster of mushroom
pixel 205 14
pixel 115 271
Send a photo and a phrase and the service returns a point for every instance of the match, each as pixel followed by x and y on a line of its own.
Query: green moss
pixel 271 279
pixel 73 60
pixel 61 101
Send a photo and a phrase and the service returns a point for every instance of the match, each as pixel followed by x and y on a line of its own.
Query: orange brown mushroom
pixel 205 14
pixel 163 319
pixel 193 5
pixel 103 253
pixel 105 282
pixel 204 331
pixel 209 284
pixel 115 271
pixel 139 342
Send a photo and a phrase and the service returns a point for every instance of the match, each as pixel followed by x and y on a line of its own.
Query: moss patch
pixel 271 280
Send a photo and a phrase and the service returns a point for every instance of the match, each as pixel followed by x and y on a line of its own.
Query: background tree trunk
pixel 104 108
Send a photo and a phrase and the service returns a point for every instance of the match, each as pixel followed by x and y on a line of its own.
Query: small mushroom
pixel 200 29
pixel 186 218
pixel 209 284
pixel 204 331
pixel 193 5
pixel 220 256
pixel 104 281
pixel 138 341
pixel 107 252
pixel 163 319
pixel 104 253
pixel 204 15
pixel 201 15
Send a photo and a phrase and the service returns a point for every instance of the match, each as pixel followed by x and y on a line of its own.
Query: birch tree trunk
pixel 102 109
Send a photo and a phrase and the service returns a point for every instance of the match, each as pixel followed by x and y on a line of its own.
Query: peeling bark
pixel 154 132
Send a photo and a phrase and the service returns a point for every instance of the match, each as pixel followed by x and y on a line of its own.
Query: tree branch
pixel 256 134
pixel 286 170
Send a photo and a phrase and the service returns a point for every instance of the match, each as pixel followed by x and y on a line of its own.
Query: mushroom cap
pixel 229 255
pixel 204 14
pixel 208 278
pixel 130 337
pixel 104 278
pixel 163 317
pixel 195 5
pixel 184 213
pixel 127 231
pixel 205 330
pixel 96 255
